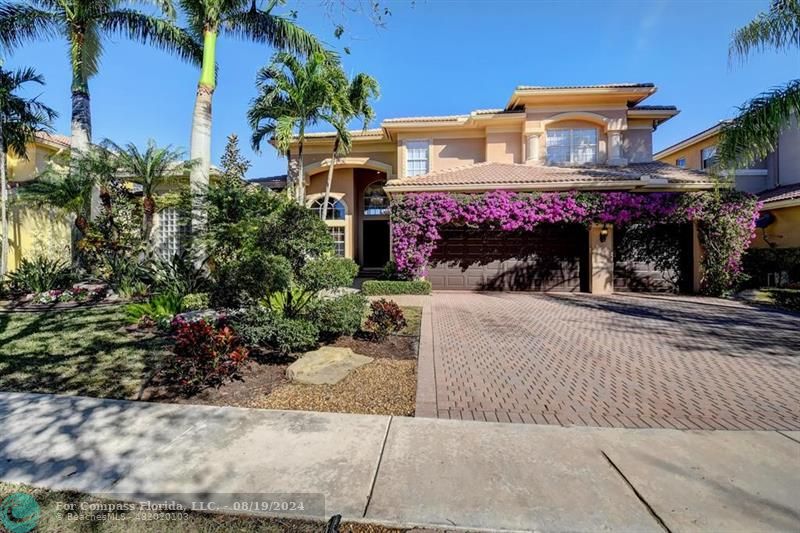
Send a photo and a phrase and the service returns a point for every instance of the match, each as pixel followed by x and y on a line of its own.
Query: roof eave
pixel 637 93
pixel 633 185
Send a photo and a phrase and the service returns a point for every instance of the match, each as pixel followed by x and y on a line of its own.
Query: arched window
pixel 376 201
pixel 336 208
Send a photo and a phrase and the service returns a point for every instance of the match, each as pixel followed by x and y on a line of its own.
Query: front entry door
pixel 376 243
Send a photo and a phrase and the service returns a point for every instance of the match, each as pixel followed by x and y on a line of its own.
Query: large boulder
pixel 328 365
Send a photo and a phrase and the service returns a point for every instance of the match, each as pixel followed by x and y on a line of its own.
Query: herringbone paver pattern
pixel 616 361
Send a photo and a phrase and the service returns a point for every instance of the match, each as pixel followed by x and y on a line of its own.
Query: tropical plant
pixel 150 168
pixel 260 326
pixel 85 24
pixel 756 129
pixel 20 119
pixel 196 301
pixel 239 18
pixel 179 275
pixel 317 275
pixel 40 274
pixel 385 318
pixel 352 102
pixel 338 316
pixel 293 95
pixel 161 308
pixel 234 164
pixel 204 355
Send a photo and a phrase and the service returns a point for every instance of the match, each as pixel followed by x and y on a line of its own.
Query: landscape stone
pixel 328 365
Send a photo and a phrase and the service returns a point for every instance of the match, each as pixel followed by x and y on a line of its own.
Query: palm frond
pixel 154 31
pixel 278 32
pixel 778 28
pixel 21 23
pixel 21 117
pixel 754 133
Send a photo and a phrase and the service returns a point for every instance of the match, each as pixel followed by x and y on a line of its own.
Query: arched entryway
pixel 375 237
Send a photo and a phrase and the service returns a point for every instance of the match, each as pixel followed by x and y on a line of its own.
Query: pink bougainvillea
pixel 726 221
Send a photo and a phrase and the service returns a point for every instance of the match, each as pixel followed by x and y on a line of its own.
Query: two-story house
pixel 596 137
pixel 775 179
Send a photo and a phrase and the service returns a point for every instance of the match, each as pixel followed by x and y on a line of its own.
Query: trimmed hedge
pixel 786 298
pixel 376 287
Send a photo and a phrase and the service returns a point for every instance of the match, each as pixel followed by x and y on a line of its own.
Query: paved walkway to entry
pixel 406 471
pixel 613 361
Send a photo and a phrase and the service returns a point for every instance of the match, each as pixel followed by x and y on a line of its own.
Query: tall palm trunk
pixel 3 207
pixel 330 179
pixel 81 124
pixel 149 208
pixel 300 185
pixel 200 143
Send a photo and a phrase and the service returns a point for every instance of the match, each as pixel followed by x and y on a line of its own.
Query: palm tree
pixel 240 18
pixel 352 102
pixel 84 23
pixel 20 119
pixel 149 168
pixel 293 95
pixel 755 131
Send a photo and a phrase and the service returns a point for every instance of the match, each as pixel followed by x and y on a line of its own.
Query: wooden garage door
pixel 547 259
pixel 653 259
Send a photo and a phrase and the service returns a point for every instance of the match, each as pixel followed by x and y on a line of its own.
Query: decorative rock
pixel 328 365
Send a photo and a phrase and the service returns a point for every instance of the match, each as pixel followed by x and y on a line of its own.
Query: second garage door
pixel 551 258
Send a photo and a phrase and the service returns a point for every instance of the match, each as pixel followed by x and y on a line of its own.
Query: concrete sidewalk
pixel 405 471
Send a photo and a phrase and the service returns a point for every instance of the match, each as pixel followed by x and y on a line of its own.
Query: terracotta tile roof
pixel 601 86
pixel 355 133
pixel 54 138
pixel 779 194
pixel 510 175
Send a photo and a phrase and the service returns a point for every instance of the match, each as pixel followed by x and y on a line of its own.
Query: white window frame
pixel 333 222
pixel 413 166
pixel 572 149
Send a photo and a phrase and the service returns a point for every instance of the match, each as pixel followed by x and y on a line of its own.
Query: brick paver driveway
pixel 630 361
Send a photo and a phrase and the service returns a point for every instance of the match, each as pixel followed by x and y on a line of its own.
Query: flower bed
pixel 726 221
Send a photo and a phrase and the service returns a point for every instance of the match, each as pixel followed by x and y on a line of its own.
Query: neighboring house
pixel 38 231
pixel 596 137
pixel 775 179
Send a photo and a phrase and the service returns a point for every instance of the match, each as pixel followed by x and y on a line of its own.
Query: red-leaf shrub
pixel 385 318
pixel 205 355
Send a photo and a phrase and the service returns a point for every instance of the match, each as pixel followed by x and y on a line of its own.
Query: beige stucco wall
pixel 789 155
pixel 691 153
pixel 448 153
pixel 504 147
pixel 342 188
pixel 21 169
pixel 35 232
pixel 784 232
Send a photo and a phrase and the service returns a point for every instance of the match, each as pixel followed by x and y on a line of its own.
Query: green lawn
pixel 77 351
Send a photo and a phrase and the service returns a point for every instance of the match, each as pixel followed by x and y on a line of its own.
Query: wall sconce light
pixel 604 233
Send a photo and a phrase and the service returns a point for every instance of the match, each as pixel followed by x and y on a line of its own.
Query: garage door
pixel 547 259
pixel 653 258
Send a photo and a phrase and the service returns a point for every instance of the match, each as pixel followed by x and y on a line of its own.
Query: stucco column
pixel 601 259
pixel 533 152
pixel 615 148
pixel 697 259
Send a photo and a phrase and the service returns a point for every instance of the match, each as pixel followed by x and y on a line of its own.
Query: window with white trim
pixel 417 158
pixel 337 213
pixel 336 208
pixel 680 162
pixel 170 233
pixel 572 145
pixel 708 156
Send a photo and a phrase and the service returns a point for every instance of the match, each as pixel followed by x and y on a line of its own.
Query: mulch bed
pixel 384 386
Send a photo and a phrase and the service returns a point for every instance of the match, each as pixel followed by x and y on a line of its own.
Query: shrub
pixel 247 280
pixel 179 275
pixel 205 355
pixel 260 326
pixel 338 316
pixel 40 275
pixel 161 308
pixel 385 318
pixel 321 274
pixel 786 298
pixel 195 301
pixel 383 287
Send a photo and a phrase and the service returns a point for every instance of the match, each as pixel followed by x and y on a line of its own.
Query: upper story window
pixel 336 208
pixel 681 162
pixel 572 145
pixel 708 156
pixel 376 202
pixel 417 158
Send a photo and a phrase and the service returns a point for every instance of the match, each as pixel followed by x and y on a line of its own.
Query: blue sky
pixel 443 57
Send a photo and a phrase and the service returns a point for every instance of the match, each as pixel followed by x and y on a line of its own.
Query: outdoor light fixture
pixel 604 233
